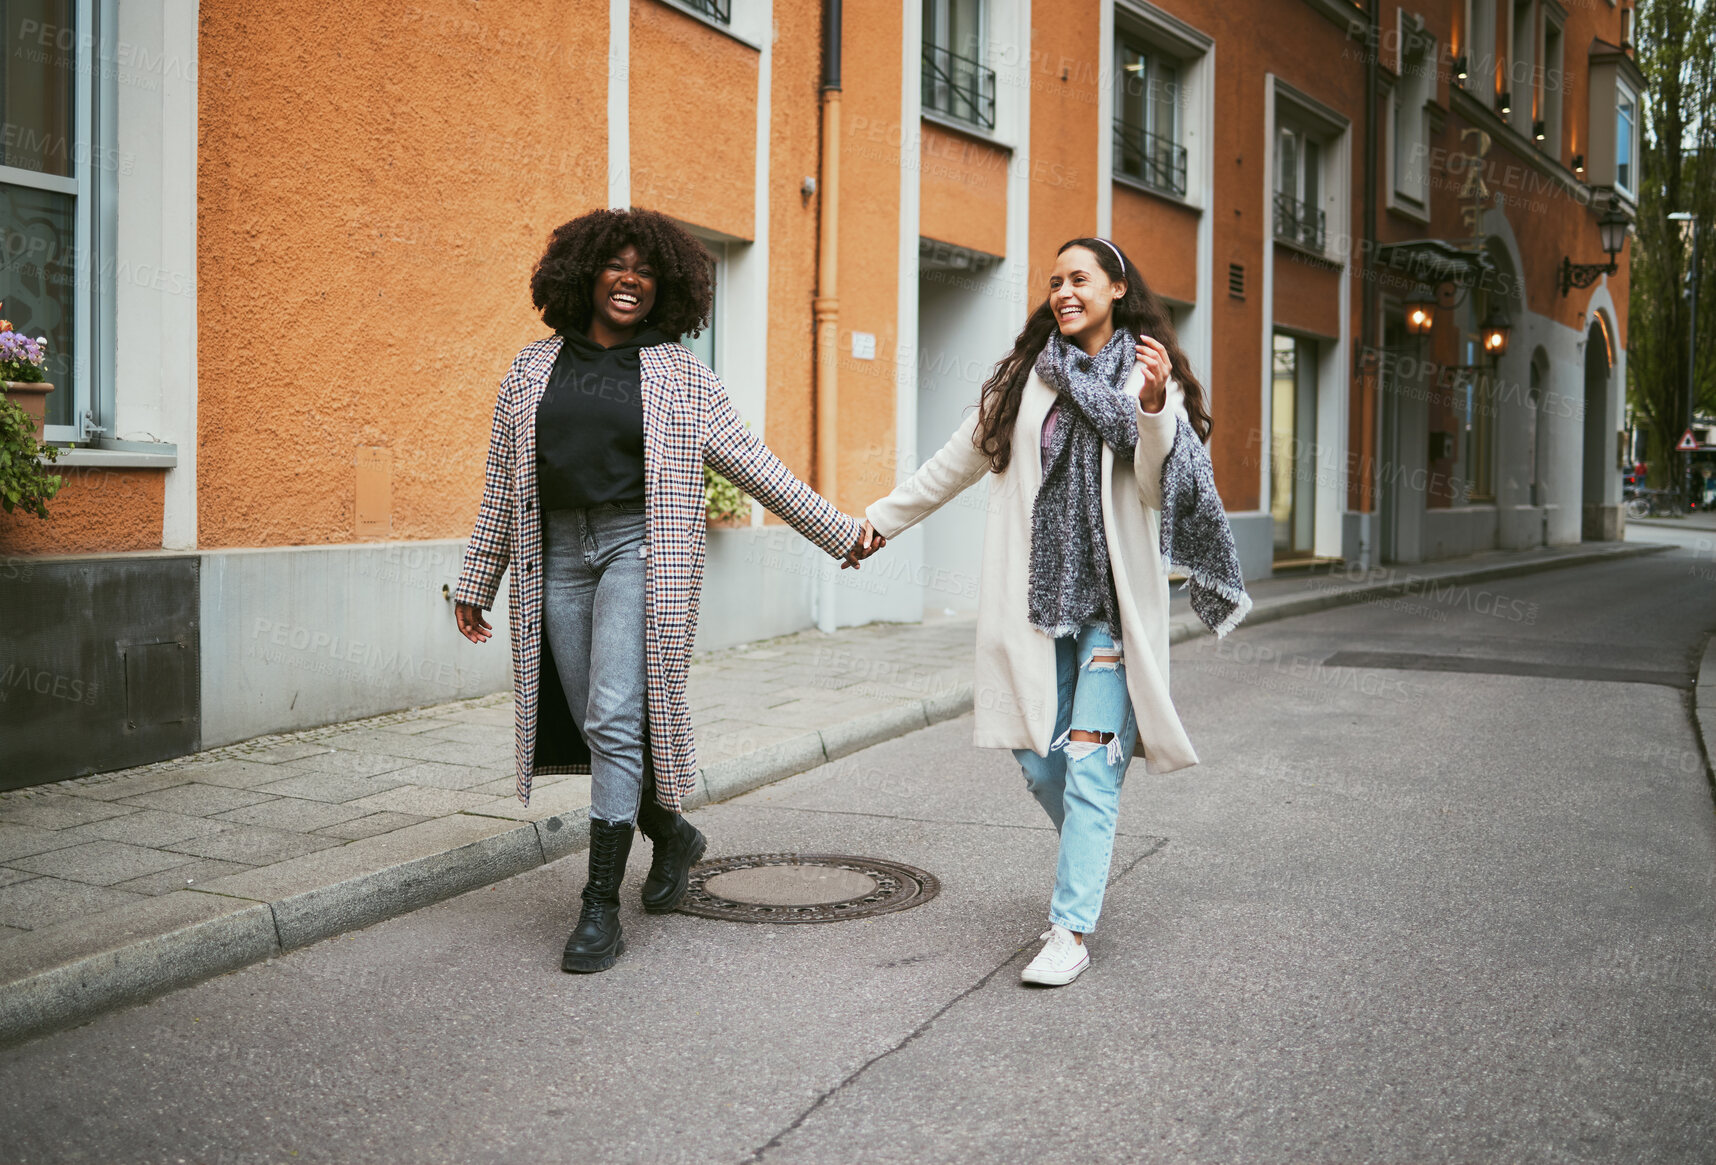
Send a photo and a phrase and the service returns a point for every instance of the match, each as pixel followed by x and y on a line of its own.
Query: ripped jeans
pixel 1078 782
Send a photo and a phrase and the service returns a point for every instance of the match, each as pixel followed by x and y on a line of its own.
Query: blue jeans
pixel 593 613
pixel 1078 782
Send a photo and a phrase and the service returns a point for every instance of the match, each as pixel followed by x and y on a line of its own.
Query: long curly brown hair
pixel 561 283
pixel 1139 311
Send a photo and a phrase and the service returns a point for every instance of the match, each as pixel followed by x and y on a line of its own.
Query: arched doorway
pixel 1600 520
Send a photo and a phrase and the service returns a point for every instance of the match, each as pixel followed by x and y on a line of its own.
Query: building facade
pixel 281 253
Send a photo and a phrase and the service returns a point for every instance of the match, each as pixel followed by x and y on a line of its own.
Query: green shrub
pixel 722 500
pixel 25 482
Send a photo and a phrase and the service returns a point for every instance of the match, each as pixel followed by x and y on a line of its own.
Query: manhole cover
pixel 803 888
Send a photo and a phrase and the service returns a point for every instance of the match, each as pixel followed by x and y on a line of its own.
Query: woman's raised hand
pixel 868 543
pixel 1157 368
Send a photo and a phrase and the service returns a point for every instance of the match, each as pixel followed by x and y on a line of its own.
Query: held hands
pixel 868 543
pixel 1157 368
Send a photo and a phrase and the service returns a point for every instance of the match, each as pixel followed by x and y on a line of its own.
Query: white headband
pixel 1117 254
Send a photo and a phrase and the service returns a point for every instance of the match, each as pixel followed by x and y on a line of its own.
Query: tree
pixel 1676 51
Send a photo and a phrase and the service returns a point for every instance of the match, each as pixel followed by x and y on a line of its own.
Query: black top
pixel 589 424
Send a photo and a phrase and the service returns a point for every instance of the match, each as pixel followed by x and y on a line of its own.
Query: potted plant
pixel 21 362
pixel 25 483
pixel 724 504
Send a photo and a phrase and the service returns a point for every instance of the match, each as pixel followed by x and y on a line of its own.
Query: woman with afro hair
pixel 593 494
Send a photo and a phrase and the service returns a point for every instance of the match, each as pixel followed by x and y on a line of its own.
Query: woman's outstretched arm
pixel 490 547
pixel 954 468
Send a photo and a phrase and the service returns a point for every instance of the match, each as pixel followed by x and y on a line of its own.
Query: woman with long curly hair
pixel 594 494
pixel 1073 430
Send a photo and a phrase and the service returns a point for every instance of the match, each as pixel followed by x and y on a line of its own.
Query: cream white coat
pixel 1014 689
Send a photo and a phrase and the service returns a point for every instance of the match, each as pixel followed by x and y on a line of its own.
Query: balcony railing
pixel 1297 222
pixel 1149 158
pixel 958 87
pixel 721 10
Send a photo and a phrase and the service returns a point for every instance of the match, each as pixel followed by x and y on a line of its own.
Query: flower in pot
pixel 22 359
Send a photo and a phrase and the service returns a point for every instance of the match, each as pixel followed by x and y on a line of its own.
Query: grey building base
pixel 1602 522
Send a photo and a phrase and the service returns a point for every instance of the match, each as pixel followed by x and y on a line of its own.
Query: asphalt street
pixel 1453 901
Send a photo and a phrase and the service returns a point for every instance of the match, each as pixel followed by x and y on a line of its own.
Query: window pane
pixel 1165 102
pixel 38 67
pixel 964 36
pixel 37 270
pixel 1287 164
pixel 1624 144
pixel 1131 76
pixel 1310 191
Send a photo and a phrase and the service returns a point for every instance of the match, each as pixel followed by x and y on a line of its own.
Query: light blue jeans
pixel 593 613
pixel 1078 782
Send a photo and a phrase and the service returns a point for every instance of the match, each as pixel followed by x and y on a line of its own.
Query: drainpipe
pixel 827 304
pixel 1367 289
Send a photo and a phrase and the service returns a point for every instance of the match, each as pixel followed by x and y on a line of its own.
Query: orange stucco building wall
pixel 1064 77
pixel 963 190
pixel 364 245
pixel 693 130
pixel 1161 237
pixel 869 252
pixel 97 511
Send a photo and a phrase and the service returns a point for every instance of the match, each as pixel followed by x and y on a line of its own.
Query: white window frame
pixel 1407 109
pixel 1626 96
pixel 91 188
pixel 1192 51
pixel 1154 56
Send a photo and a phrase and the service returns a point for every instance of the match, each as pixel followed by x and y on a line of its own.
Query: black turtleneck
pixel 589 424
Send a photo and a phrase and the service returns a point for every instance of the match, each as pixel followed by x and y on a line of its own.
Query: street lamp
pixel 1494 332
pixel 1420 313
pixel 1612 229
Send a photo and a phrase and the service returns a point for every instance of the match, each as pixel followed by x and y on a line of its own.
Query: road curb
pixel 191 935
pixel 1704 704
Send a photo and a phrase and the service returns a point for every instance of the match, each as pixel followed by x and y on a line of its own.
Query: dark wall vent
pixel 1236 280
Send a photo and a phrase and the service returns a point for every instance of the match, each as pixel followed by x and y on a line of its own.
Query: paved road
pixel 1427 911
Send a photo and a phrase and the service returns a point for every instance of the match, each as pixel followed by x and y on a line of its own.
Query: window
pixel 1410 124
pixel 718 10
pixel 1298 188
pixel 1147 117
pixel 1626 120
pixel 47 194
pixel 955 82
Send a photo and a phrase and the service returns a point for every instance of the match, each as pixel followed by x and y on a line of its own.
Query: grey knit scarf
pixel 1071 584
pixel 1196 537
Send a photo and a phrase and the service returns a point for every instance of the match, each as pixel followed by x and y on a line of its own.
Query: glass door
pixel 1292 446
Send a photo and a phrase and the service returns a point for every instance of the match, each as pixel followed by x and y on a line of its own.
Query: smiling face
pixel 622 297
pixel 1082 296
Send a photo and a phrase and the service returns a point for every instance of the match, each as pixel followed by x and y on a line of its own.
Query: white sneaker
pixel 1061 960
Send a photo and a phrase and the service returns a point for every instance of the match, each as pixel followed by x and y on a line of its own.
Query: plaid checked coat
pixel 688 419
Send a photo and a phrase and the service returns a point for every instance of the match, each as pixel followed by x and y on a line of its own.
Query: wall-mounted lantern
pixel 1494 332
pixel 1504 103
pixel 1420 313
pixel 1612 229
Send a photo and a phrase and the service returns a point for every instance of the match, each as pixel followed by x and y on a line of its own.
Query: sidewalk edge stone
pixel 316 914
pixel 230 933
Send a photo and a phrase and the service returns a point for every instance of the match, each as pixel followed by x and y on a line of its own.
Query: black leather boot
pixel 596 940
pixel 678 846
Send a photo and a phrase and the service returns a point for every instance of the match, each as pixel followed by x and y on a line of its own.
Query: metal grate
pixel 1296 222
pixel 1150 158
pixel 721 10
pixel 1236 280
pixel 958 87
